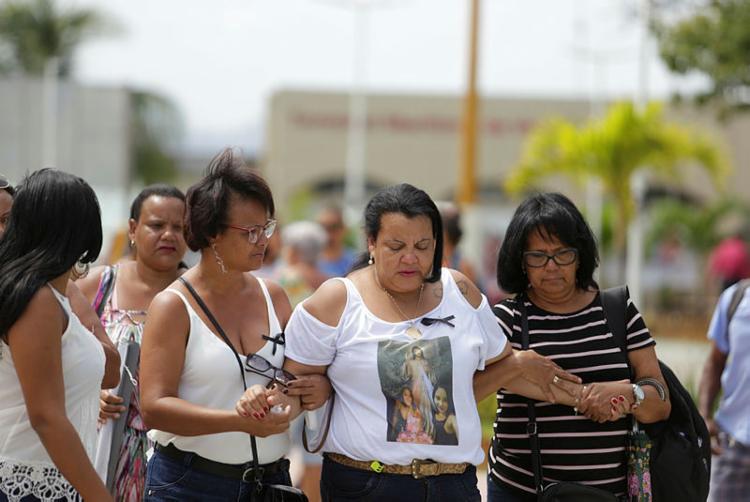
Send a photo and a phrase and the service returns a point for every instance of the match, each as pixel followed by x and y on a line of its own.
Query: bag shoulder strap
pixel 256 472
pixel 531 426
pixel 615 304
pixel 105 289
pixel 737 296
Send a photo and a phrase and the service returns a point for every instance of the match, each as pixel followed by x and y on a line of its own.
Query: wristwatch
pixel 638 395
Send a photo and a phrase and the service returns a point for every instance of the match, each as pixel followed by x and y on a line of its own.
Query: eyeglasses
pixel 537 259
pixel 261 366
pixel 254 231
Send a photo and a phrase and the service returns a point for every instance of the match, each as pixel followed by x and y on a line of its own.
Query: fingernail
pixel 613 401
pixel 266 409
pixel 262 415
pixel 256 415
pixel 621 399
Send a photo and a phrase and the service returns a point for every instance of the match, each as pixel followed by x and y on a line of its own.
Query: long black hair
pixel 410 201
pixel 55 222
pixel 550 214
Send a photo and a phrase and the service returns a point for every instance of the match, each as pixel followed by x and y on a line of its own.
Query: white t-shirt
pixel 211 378
pixel 395 394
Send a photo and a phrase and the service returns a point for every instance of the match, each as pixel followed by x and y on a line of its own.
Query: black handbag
pixel 263 492
pixel 553 492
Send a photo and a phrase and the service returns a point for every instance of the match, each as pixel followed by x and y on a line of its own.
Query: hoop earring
pixel 218 259
pixel 371 260
pixel 80 270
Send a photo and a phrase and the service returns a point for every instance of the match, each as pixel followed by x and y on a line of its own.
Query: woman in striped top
pixel 548 259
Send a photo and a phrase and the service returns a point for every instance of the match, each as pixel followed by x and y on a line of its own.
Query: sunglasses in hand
pixel 262 366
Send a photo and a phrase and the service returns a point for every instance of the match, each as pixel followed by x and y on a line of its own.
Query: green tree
pixel 699 227
pixel 34 32
pixel 156 128
pixel 713 39
pixel 611 149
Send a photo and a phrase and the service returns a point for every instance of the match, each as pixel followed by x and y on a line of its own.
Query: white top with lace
pixel 25 466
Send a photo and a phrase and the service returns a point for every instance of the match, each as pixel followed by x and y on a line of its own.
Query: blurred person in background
pixel 453 232
pixel 726 374
pixel 190 387
pixel 52 367
pixel 337 259
pixel 729 261
pixel 121 294
pixel 299 273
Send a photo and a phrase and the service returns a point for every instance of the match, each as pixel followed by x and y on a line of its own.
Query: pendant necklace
pixel 412 331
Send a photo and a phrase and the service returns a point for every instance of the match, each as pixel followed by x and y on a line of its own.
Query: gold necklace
pixel 412 331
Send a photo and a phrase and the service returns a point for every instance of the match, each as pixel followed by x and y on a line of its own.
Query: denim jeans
pixel 497 492
pixel 341 483
pixel 172 480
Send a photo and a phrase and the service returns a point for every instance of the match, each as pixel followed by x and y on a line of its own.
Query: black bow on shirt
pixel 429 321
pixel 276 340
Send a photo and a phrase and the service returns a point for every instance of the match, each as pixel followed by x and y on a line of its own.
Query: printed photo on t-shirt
pixel 417 381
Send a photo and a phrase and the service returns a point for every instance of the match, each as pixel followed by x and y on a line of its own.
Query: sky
pixel 221 60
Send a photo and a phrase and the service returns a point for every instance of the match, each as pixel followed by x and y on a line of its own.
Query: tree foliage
pixel 612 149
pixel 712 39
pixel 32 32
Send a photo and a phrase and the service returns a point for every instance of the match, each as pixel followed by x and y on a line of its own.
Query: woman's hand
pixel 313 390
pixel 606 401
pixel 543 372
pixel 110 406
pixel 254 403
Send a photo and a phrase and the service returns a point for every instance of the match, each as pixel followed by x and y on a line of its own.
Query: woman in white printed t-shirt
pixel 400 339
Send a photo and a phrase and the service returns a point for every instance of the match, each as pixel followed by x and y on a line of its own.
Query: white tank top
pixel 25 465
pixel 400 399
pixel 211 378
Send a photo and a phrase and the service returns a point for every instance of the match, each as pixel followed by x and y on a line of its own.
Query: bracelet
pixel 655 384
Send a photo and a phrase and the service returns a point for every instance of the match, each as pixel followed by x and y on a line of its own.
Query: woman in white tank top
pixel 51 366
pixel 190 378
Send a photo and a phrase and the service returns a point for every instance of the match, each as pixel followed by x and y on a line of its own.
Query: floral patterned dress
pixel 123 327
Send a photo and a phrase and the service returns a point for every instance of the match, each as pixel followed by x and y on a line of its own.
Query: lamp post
pixel 467 177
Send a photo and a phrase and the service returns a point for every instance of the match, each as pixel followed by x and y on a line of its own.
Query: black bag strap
pixel 220 330
pixel 531 427
pixel 106 288
pixel 615 304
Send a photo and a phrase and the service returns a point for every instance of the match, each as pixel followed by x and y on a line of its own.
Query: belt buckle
pixel 416 468
pixel 251 471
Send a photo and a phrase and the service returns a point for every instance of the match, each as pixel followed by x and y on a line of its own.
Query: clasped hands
pixel 257 402
pixel 599 401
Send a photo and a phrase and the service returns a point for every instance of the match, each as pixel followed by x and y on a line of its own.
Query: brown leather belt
pixel 418 469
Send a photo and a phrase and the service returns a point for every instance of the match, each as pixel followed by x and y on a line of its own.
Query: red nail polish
pixel 621 399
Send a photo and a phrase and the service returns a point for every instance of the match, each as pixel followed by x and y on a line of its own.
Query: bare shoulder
pixel 43 316
pixel 467 288
pixel 328 302
pixel 90 284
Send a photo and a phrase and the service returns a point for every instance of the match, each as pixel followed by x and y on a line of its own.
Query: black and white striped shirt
pixel 573 447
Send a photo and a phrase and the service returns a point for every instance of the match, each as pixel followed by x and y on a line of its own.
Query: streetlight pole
pixel 467 178
pixel 634 257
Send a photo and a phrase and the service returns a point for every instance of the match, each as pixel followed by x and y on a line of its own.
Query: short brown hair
pixel 208 200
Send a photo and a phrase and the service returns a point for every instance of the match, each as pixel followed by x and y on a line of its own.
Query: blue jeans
pixel 340 483
pixel 497 492
pixel 172 480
